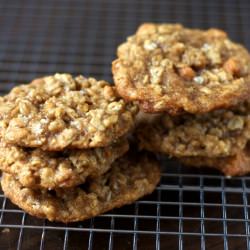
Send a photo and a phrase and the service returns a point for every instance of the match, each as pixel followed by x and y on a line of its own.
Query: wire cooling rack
pixel 191 209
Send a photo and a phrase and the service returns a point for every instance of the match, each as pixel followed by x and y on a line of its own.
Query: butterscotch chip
pixel 236 165
pixel 61 111
pixel 167 67
pixel 35 168
pixel 127 181
pixel 216 134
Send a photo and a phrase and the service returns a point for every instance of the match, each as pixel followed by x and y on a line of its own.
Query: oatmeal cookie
pixel 60 111
pixel 236 165
pixel 35 168
pixel 128 180
pixel 167 67
pixel 219 133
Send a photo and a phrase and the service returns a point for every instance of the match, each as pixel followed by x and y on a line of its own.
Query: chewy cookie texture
pixel 170 68
pixel 218 139
pixel 128 179
pixel 35 168
pixel 218 133
pixel 61 111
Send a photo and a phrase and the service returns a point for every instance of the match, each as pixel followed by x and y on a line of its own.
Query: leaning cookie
pixel 219 133
pixel 60 111
pixel 236 165
pixel 170 68
pixel 128 180
pixel 35 168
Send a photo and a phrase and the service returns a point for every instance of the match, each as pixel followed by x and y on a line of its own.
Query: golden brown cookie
pixel 60 111
pixel 128 180
pixel 170 68
pixel 219 133
pixel 35 168
pixel 236 165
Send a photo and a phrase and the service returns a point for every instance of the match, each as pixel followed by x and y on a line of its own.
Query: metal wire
pixel 190 209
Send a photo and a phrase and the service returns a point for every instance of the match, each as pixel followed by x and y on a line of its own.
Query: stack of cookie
pixel 63 149
pixel 192 87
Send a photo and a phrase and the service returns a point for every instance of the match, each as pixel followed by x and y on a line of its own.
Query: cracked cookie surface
pixel 167 67
pixel 216 134
pixel 35 168
pixel 61 111
pixel 128 180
